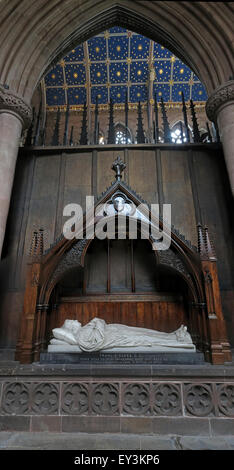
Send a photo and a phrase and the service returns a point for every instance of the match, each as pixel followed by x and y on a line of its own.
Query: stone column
pixel 15 115
pixel 220 109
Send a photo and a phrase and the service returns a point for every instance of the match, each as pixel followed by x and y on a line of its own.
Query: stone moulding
pixel 15 104
pixel 221 95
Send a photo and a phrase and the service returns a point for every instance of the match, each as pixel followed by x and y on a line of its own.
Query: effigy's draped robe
pixel 98 335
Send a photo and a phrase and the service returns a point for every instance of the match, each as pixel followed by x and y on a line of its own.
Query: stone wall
pixel 177 401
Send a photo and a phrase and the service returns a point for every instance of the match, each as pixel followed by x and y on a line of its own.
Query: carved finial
pixel 118 166
pixel 34 242
pixel 166 127
pixel 37 244
pixel 201 242
pixel 40 242
pixel 196 132
pixel 209 248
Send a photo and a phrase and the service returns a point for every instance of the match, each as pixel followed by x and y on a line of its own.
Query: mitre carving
pixel 221 95
pixel 12 102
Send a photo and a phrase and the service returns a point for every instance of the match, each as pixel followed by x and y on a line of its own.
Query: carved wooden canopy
pixel 197 266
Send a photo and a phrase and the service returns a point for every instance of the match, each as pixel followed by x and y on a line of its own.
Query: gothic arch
pixel 68 253
pixel 28 47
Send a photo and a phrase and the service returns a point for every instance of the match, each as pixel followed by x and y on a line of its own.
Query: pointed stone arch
pixel 28 48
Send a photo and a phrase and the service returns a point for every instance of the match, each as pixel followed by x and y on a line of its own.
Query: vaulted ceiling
pixel 118 61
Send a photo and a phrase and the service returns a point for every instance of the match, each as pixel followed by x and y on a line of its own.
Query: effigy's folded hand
pixel 91 337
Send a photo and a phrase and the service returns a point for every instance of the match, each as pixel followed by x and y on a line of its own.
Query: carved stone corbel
pixel 223 94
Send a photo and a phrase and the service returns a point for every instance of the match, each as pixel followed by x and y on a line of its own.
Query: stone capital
pixel 14 104
pixel 222 95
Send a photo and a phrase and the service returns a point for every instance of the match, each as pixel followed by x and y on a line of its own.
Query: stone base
pixel 154 399
pixel 123 358
pixel 41 439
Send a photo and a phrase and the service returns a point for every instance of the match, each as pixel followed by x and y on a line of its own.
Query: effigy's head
pixel 72 325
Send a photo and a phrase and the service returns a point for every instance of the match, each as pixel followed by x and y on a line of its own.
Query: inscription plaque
pixel 122 358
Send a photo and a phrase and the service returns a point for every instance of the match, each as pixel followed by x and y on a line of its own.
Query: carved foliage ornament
pixel 11 102
pixel 136 399
pixel 226 399
pixel 167 399
pixel 199 399
pixel 30 398
pixel 105 399
pixel 111 399
pixel 75 399
pixel 221 95
pixel 71 259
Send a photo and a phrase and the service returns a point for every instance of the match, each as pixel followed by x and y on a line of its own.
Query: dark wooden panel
pixel 162 316
pixel 78 179
pixel 142 174
pixel 178 192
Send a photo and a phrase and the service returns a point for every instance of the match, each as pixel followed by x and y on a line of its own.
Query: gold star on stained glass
pixel 53 76
pixel 77 96
pixel 180 92
pixel 129 60
pixel 172 59
pixel 118 48
pixel 162 47
pixel 106 34
pixel 98 74
pixel 138 95
pixel 200 92
pixel 97 49
pixel 62 63
pixel 159 93
pixel 118 73
pixel 73 51
pixel 99 95
pixel 161 71
pixel 140 47
pixel 181 70
pixel 55 97
pixel 139 72
pixel 118 95
pixel 75 75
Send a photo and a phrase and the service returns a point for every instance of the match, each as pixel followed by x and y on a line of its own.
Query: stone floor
pixel 83 441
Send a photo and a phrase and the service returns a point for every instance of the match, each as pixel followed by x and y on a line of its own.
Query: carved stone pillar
pixel 15 115
pixel 220 109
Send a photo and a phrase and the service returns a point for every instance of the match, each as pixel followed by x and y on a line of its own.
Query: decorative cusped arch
pixel 28 48
pixel 196 267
